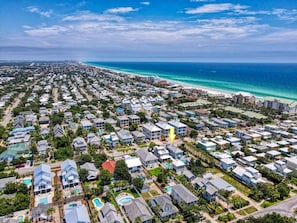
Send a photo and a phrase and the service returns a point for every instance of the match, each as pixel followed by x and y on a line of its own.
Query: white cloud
pixel 89 16
pixel 46 31
pixel 121 10
pixel 285 14
pixel 36 10
pixel 214 8
pixel 145 3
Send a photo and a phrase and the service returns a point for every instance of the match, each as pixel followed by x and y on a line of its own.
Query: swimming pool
pixel 168 165
pixel 27 182
pixel 72 205
pixel 124 200
pixel 77 190
pixel 97 202
pixel 43 200
pixel 168 189
pixel 20 218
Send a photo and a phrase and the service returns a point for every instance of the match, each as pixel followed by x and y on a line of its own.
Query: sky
pixel 149 30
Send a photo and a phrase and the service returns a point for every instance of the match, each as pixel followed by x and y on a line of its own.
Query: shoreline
pixel 210 91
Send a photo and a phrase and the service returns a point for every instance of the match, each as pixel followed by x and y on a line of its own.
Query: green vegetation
pixel 269 218
pixel 121 171
pixel 104 177
pixel 238 202
pixel 247 210
pixel 21 200
pixel 239 186
pixel 137 183
pixel 226 217
pixel 155 171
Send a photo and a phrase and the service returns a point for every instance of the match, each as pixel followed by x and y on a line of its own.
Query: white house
pixel 42 179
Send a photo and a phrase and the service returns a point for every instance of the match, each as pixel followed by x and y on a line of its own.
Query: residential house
pixel 138 136
pixel 123 121
pixel 42 179
pixel 80 144
pixel 180 129
pixel 291 164
pixel 248 175
pixel 125 136
pixel 189 175
pixel 148 159
pixel 134 164
pixel 108 214
pixel 77 214
pixel 111 139
pixel 99 124
pixel 44 132
pixel 181 194
pixel 138 208
pixel 162 153
pixel 70 177
pixel 109 166
pixel 58 131
pixel 14 151
pixel 85 124
pixel 210 193
pixel 178 166
pixel 42 147
pixel 134 119
pixel 92 170
pixel 227 164
pixel 165 128
pixel 93 139
pixel 174 151
pixel 68 117
pixel 207 145
pixel 44 120
pixel 40 213
pixel 163 206
pixel 279 167
pixel 151 131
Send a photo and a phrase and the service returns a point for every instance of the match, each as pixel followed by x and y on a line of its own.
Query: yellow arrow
pixel 171 135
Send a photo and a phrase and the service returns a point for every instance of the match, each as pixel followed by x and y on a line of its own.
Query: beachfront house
pixel 42 179
pixel 174 151
pixel 165 128
pixel 70 177
pixel 207 145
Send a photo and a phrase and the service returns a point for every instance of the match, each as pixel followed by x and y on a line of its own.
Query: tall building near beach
pixel 244 98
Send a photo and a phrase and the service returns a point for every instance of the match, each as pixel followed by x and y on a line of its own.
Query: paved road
pixel 7 113
pixel 284 208
pixel 55 94
pixel 27 170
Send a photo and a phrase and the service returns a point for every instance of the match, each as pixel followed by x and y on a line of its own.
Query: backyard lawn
pixel 155 172
pixel 239 186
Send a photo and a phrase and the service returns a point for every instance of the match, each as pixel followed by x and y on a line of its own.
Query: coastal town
pixel 82 144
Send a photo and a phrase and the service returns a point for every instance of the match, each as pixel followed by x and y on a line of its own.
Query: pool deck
pixel 48 195
pixel 123 195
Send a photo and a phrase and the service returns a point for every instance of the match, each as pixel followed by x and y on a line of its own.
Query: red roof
pixel 109 166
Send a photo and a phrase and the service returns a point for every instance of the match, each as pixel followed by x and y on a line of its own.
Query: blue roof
pixel 26 129
pixel 67 163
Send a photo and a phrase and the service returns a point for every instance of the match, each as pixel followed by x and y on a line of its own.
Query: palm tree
pixel 50 212
pixel 138 220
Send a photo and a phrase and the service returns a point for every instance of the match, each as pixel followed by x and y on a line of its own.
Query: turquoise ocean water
pixel 278 80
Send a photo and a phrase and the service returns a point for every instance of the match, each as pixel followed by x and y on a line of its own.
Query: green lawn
pixel 239 186
pixel 294 191
pixel 146 195
pixel 248 210
pixel 154 172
